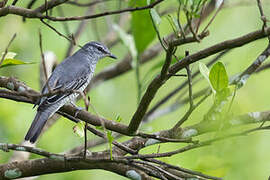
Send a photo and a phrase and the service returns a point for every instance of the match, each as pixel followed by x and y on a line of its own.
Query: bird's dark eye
pixel 100 49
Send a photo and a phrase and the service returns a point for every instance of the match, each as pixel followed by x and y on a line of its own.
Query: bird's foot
pixel 78 109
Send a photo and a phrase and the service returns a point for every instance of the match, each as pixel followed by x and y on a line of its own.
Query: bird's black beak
pixel 112 56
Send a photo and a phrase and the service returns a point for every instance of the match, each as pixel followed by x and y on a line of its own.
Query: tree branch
pixel 37 13
pixel 58 165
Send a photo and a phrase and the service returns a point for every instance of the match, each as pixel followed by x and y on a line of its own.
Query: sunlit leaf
pixel 205 72
pixel 13 62
pixel 218 76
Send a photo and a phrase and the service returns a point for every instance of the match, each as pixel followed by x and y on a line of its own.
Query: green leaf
pixel 78 129
pixel 218 77
pixel 118 118
pixel 141 25
pixel 205 72
pixel 155 16
pixel 110 140
pixel 13 62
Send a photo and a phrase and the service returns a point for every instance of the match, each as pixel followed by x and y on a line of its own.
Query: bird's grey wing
pixel 74 84
pixel 69 75
pixel 44 111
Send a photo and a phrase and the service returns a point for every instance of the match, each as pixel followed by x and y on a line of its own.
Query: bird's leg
pixel 78 108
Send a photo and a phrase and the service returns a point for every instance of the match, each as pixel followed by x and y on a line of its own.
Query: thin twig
pixel 188 113
pixel 46 7
pixel 241 79
pixel 37 12
pixel 212 19
pixel 189 84
pixel 181 86
pixel 157 32
pixel 15 147
pixel 43 60
pixel 78 32
pixel 30 4
pixel 170 175
pixel 178 21
pixel 65 24
pixel 182 169
pixel 92 3
pixel 200 19
pixel 60 34
pixel 193 146
pixel 86 104
pixel 49 6
pixel 14 2
pixel 6 50
pixel 263 18
pixel 189 23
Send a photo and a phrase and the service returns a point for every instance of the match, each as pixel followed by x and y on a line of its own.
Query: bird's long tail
pixel 37 125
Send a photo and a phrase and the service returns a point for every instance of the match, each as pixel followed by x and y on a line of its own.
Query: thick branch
pixel 50 4
pixel 47 166
pixel 155 85
pixel 157 82
pixel 229 44
pixel 28 13
pixel 22 93
pixel 242 78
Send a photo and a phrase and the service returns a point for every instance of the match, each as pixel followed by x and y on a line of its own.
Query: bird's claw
pixel 78 109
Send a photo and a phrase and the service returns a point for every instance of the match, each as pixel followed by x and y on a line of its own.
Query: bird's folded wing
pixel 64 91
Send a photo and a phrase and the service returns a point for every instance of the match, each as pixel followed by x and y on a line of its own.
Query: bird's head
pixel 98 50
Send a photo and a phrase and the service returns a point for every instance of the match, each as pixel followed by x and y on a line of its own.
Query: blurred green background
pixel 244 157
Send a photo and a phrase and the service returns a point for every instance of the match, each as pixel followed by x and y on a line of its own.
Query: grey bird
pixel 72 74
